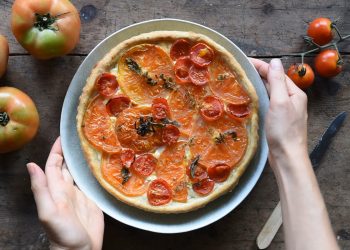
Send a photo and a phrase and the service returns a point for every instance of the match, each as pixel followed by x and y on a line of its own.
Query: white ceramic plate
pixel 132 216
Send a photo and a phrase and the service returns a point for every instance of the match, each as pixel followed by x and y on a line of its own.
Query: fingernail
pixel 30 169
pixel 276 64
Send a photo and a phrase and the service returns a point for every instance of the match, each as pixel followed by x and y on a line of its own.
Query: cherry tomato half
pixel 201 54
pixel 219 173
pixel 159 192
pixel 144 165
pixel 302 75
pixel 237 111
pixel 199 75
pixel 182 68
pixel 117 104
pixel 127 157
pixel 203 187
pixel 327 63
pixel 106 84
pixel 170 134
pixel 320 30
pixel 160 108
pixel 211 109
pixel 180 48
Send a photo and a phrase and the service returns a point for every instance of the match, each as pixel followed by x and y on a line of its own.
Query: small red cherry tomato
pixel 159 192
pixel 200 173
pixel 170 134
pixel 320 30
pixel 144 165
pixel 180 47
pixel 182 68
pixel 199 75
pixel 211 109
pixel 201 54
pixel 328 64
pixel 203 187
pixel 160 108
pixel 117 104
pixel 237 111
pixel 127 157
pixel 219 173
pixel 106 84
pixel 302 75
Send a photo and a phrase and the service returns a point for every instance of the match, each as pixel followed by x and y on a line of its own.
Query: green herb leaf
pixel 193 165
pixel 132 65
pixel 125 175
pixel 168 82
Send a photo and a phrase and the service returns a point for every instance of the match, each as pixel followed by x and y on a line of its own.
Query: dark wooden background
pixel 263 29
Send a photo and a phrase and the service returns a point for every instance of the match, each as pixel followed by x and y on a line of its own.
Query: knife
pixel 274 222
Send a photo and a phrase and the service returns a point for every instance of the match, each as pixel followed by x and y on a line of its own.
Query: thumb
pixel 277 81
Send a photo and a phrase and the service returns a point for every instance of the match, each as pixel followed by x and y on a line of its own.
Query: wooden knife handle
pixel 270 228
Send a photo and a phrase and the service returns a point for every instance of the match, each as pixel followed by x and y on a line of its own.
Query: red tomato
pixel 182 68
pixel 144 165
pixel 320 30
pixel 237 111
pixel 160 108
pixel 211 109
pixel 118 104
pixel 199 75
pixel 47 28
pixel 203 187
pixel 170 134
pixel 127 157
pixel 106 84
pixel 328 64
pixel 219 173
pixel 159 192
pixel 180 47
pixel 200 173
pixel 19 119
pixel 201 54
pixel 4 54
pixel 302 75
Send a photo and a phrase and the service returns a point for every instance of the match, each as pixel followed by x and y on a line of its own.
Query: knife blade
pixel 274 222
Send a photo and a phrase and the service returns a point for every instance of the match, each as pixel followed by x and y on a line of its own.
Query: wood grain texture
pixel 260 28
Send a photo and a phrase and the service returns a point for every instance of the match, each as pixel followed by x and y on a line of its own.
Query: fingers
pixel 277 81
pixel 66 175
pixel 261 66
pixel 44 202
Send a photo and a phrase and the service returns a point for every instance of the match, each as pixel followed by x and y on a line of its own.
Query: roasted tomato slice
pixel 182 70
pixel 200 173
pixel 119 177
pixel 211 109
pixel 180 47
pixel 237 111
pixel 160 108
pixel 159 192
pixel 203 187
pixel 201 54
pixel 139 71
pixel 219 172
pixel 106 84
pixel 144 165
pixel 224 83
pixel 127 157
pixel 118 104
pixel 98 127
pixel 199 75
pixel 170 134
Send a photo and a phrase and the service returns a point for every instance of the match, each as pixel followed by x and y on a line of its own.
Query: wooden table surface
pixel 263 29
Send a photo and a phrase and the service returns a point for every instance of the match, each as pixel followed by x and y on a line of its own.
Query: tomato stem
pixel 4 119
pixel 44 22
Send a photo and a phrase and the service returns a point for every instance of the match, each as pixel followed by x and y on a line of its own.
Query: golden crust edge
pixel 106 63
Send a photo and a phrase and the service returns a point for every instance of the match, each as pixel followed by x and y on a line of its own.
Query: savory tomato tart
pixel 168 121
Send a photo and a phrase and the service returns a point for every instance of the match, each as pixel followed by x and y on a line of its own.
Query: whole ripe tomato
pixel 4 54
pixel 19 119
pixel 328 64
pixel 47 28
pixel 301 74
pixel 320 30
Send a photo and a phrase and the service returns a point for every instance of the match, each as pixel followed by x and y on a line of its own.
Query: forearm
pixel 305 219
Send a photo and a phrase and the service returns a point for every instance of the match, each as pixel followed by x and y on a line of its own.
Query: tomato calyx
pixel 4 118
pixel 45 22
pixel 301 70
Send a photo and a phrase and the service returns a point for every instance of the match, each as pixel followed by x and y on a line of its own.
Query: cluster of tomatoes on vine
pixel 328 63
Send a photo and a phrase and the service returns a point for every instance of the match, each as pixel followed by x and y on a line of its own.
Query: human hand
pixel 71 220
pixel 286 120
